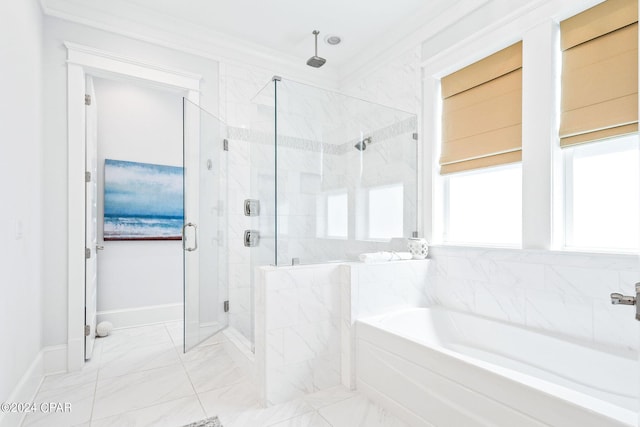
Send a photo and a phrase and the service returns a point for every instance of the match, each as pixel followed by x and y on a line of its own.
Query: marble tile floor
pixel 140 377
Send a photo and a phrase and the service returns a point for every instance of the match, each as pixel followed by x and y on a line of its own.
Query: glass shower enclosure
pixel 204 248
pixel 345 174
pixel 316 176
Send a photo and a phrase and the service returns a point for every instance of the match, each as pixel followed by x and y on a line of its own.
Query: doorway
pixel 83 61
pixel 138 218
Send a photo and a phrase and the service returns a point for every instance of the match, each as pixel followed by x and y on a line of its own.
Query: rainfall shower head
pixel 362 145
pixel 315 61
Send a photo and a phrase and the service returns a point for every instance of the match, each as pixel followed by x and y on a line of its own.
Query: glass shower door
pixel 205 285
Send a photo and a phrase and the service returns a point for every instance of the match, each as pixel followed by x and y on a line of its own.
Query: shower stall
pixel 316 177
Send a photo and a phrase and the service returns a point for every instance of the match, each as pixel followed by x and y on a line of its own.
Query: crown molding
pixel 499 34
pixel 424 26
pixel 188 38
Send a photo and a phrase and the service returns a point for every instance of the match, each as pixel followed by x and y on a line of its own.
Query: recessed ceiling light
pixel 332 39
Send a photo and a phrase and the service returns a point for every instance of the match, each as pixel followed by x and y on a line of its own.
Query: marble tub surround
pixel 373 289
pixel 561 292
pixel 305 317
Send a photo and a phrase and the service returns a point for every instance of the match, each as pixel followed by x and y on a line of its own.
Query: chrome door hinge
pixel 225 144
pixel 87 176
pixel 87 330
pixel 87 253
pixel 87 100
pixel 415 136
pixel 226 306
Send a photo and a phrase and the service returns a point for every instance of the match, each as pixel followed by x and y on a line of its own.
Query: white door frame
pixel 83 60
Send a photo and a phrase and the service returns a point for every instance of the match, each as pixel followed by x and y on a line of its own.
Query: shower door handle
pixel 184 237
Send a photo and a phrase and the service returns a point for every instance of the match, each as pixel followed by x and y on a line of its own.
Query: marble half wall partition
pixel 563 293
pixel 297 330
pixel 305 320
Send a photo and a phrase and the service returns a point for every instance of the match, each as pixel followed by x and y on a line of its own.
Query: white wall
pixel 55 151
pixel 138 124
pixel 395 83
pixel 21 216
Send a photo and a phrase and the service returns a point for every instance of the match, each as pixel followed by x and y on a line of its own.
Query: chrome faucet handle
pixel 617 298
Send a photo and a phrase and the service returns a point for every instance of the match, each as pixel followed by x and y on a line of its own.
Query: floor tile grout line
pixel 95 393
pixel 139 371
pixel 102 363
pixel 171 336
pixel 322 416
pixel 312 411
pixel 139 409
pixel 100 367
pixel 190 380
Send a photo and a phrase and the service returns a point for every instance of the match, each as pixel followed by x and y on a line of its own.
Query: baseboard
pixel 139 316
pixel 54 359
pixel 49 360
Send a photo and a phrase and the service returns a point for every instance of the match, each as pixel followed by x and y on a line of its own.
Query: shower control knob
pixel 619 299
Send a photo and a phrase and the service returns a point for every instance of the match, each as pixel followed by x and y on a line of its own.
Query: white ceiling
pixel 278 28
pixel 286 25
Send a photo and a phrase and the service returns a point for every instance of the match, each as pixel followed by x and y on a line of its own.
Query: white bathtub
pixel 433 366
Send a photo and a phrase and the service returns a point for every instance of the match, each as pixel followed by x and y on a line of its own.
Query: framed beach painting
pixel 142 201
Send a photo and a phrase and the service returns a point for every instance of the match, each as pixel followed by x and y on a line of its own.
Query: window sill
pixel 601 254
pixel 599 251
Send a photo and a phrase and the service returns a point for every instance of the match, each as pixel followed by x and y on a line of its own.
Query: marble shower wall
pixel 558 292
pixel 317 131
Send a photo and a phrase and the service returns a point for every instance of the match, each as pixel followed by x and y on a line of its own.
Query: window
pixel 337 215
pixel 602 194
pixel 482 150
pixel 484 206
pixel 599 125
pixel 386 212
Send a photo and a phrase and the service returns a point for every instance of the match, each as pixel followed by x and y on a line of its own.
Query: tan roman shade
pixel 482 113
pixel 599 73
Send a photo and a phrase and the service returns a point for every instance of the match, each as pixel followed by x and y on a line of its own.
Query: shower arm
pixel 315 33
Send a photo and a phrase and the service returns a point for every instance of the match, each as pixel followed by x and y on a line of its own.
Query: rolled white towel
pixel 384 256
